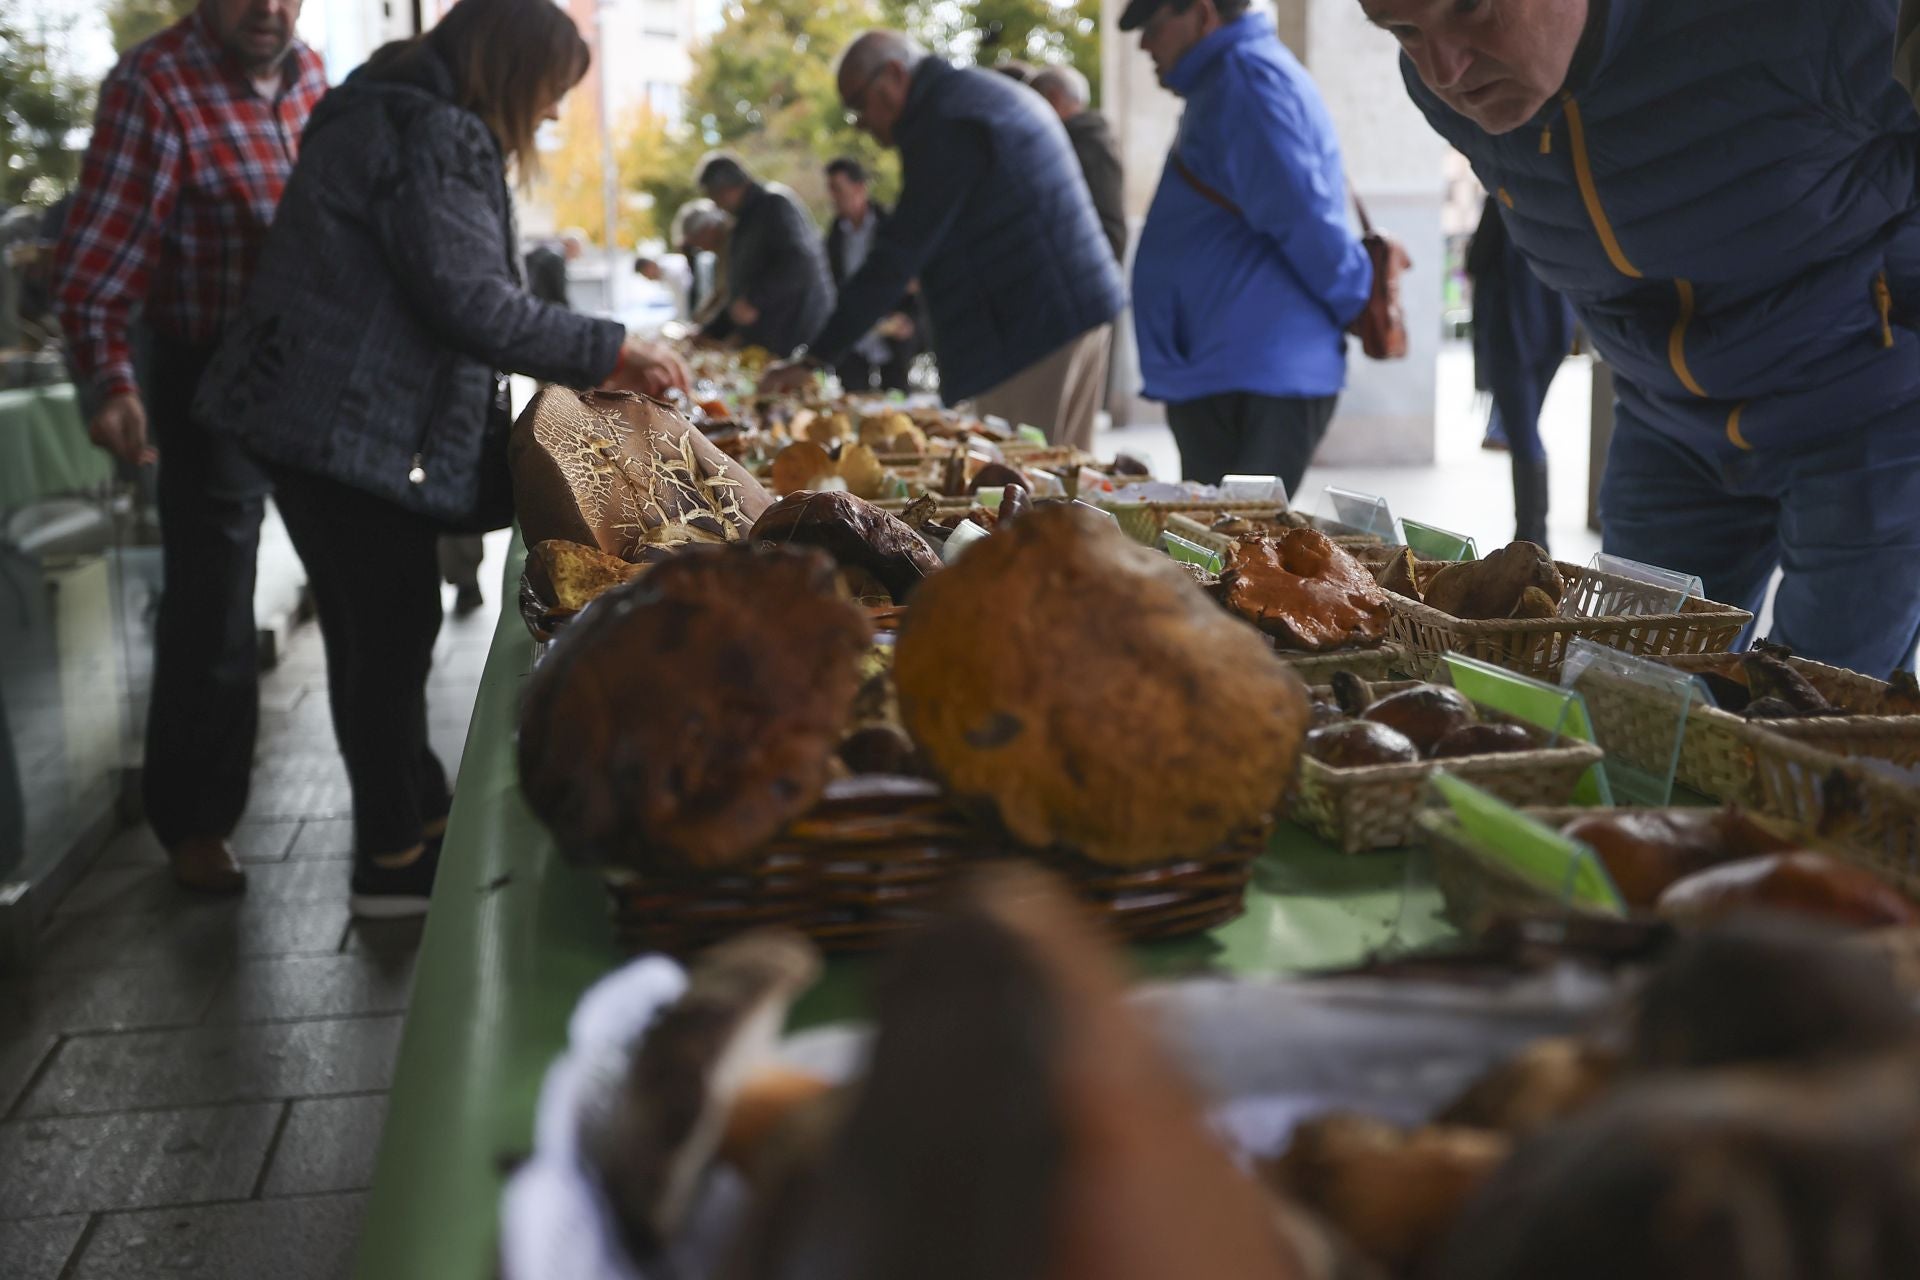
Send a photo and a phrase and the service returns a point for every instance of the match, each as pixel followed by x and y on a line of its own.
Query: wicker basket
pixel 1376 806
pixel 1537 646
pixel 1379 663
pixel 1717 753
pixel 1363 546
pixel 1847 798
pixel 853 874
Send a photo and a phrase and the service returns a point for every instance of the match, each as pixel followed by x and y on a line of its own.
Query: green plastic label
pixel 1031 435
pixel 1192 553
pixel 1557 863
pixel 1561 712
pixel 1430 543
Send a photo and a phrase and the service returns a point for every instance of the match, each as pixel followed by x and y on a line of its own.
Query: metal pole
pixel 609 170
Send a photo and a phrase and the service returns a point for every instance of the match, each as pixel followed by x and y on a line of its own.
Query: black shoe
pixel 381 893
pixel 467 600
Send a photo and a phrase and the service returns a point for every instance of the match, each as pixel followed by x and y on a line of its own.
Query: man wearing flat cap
pixel 1248 272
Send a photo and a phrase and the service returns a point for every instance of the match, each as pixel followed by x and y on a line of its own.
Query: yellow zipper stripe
pixel 1733 426
pixel 1883 301
pixel 1583 174
pixel 1546 141
pixel 1677 340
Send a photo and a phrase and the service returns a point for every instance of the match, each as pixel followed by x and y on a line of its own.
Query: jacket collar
pixel 930 72
pixel 1251 28
pixel 1610 26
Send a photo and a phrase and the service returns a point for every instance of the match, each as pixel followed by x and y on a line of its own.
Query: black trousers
pixel 375 576
pixel 204 712
pixel 857 373
pixel 1239 433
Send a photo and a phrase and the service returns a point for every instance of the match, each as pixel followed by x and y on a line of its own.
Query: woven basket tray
pixel 1480 892
pixel 1365 547
pixel 854 873
pixel 1537 646
pixel 1717 753
pixel 1376 806
pixel 1379 663
pixel 1847 798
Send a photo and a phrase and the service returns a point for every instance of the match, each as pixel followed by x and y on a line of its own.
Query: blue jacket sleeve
pixel 1285 174
pixel 1858 35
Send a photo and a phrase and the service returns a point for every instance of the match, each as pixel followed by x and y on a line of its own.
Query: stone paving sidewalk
pixel 197 1088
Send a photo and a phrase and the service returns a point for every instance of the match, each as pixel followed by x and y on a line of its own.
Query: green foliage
pixel 989 31
pixel 39 107
pixel 763 85
pixel 132 21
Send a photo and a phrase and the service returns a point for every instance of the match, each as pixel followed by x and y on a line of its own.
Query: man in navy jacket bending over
pixel 1247 274
pixel 1726 192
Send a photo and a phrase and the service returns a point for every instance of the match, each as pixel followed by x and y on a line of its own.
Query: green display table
pixel 515 935
pixel 44 450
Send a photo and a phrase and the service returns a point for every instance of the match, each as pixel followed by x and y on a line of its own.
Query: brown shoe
pixel 206 865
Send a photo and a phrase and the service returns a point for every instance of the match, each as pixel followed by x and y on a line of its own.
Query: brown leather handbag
pixel 1381 325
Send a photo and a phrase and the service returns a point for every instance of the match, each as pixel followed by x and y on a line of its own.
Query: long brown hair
pixel 512 59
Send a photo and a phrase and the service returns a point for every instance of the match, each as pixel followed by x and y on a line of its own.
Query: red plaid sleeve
pixel 128 186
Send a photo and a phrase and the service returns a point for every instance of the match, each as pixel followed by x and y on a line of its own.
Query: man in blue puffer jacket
pixel 1726 192
pixel 1247 274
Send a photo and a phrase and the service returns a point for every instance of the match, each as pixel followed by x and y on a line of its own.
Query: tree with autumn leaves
pixel 763 88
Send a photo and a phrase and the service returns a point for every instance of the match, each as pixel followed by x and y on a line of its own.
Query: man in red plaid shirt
pixel 193 141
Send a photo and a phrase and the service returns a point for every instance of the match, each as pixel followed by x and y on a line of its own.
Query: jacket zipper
pixel 1883 302
pixel 1683 288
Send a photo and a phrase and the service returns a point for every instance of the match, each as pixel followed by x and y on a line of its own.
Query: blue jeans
pixel 1840 518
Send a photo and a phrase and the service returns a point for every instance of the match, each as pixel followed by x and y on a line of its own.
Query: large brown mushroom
pixel 1084 688
pixel 688 716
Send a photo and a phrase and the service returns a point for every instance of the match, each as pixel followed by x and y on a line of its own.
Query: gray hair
pixel 1063 82
pixel 870 51
pixel 720 171
pixel 694 217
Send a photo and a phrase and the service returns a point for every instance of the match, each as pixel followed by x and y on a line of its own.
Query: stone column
pixel 1395 162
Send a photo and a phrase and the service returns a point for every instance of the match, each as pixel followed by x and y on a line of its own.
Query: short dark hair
pixel 849 168
pixel 721 172
pixel 1230 9
pixel 1015 69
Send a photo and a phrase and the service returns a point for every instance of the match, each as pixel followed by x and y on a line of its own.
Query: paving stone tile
pixel 323 838
pixel 89 1164
pixel 211 1065
pixel 298 987
pixel 206 932
pixel 109 999
pixel 304 1239
pixel 301 799
pixel 389 938
pixel 22 1050
pixel 328 1144
pixel 264 841
pixel 38 1250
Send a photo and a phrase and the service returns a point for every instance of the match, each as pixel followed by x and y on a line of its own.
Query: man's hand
pixel 897 327
pixel 743 312
pixel 784 377
pixel 120 427
pixel 651 368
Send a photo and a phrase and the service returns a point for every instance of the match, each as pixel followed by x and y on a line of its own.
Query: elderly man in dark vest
pixel 996 223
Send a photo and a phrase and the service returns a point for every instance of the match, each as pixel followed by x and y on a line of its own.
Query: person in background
pixel 546 269
pixel 673 271
pixel 996 224
pixel 1247 274
pixel 1068 93
pixel 193 139
pixel 777 284
pixel 1744 252
pixel 699 231
pixel 885 355
pixel 1522 332
pixel 365 370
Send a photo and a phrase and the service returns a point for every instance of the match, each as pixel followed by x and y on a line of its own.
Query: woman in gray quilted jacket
pixel 366 372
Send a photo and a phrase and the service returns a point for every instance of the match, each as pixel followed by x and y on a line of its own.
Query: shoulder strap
pixel 1180 167
pixel 1366 224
